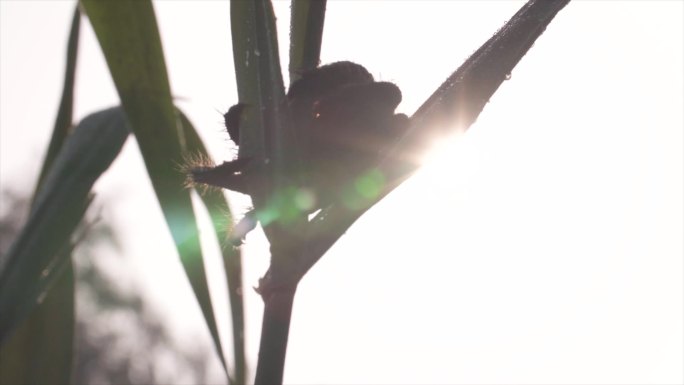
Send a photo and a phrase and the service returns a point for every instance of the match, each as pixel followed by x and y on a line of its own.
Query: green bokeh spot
pixel 287 206
pixel 370 184
pixel 305 199
pixel 267 216
pixel 351 198
pixel 366 187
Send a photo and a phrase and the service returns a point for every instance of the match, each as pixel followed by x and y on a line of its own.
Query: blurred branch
pixel 141 350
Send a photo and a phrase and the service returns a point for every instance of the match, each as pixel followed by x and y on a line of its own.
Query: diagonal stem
pixel 456 104
pixel 460 100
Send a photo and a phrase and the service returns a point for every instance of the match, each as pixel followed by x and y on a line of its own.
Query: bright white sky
pixel 544 246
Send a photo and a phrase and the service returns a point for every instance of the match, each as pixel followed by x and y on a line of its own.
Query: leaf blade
pixel 40 350
pixel 306 33
pixel 463 95
pixel 263 134
pixel 64 119
pixel 222 219
pixel 29 265
pixel 271 141
pixel 515 38
pixel 136 62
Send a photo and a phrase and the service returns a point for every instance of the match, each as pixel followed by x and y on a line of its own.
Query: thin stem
pixel 274 333
pixel 306 33
pixel 456 104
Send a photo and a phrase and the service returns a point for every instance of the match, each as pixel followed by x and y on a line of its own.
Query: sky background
pixel 543 246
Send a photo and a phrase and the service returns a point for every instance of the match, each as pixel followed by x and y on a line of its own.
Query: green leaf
pixel 40 350
pixel 64 120
pixel 222 220
pixel 128 35
pixel 31 264
pixel 270 140
pixel 454 105
pixel 458 102
pixel 306 32
pixel 265 132
pixel 271 143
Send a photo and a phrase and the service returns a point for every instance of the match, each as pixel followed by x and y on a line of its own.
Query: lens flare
pixel 370 184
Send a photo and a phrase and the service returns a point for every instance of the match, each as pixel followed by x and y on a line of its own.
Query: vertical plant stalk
pixel 232 264
pixel 306 33
pixel 271 144
pixel 277 287
pixel 456 104
pixel 275 329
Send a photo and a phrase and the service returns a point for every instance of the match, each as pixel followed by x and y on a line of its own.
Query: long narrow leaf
pixel 455 104
pixel 128 35
pixel 271 141
pixel 30 263
pixel 40 350
pixel 264 133
pixel 222 219
pixel 64 120
pixel 306 32
pixel 245 55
